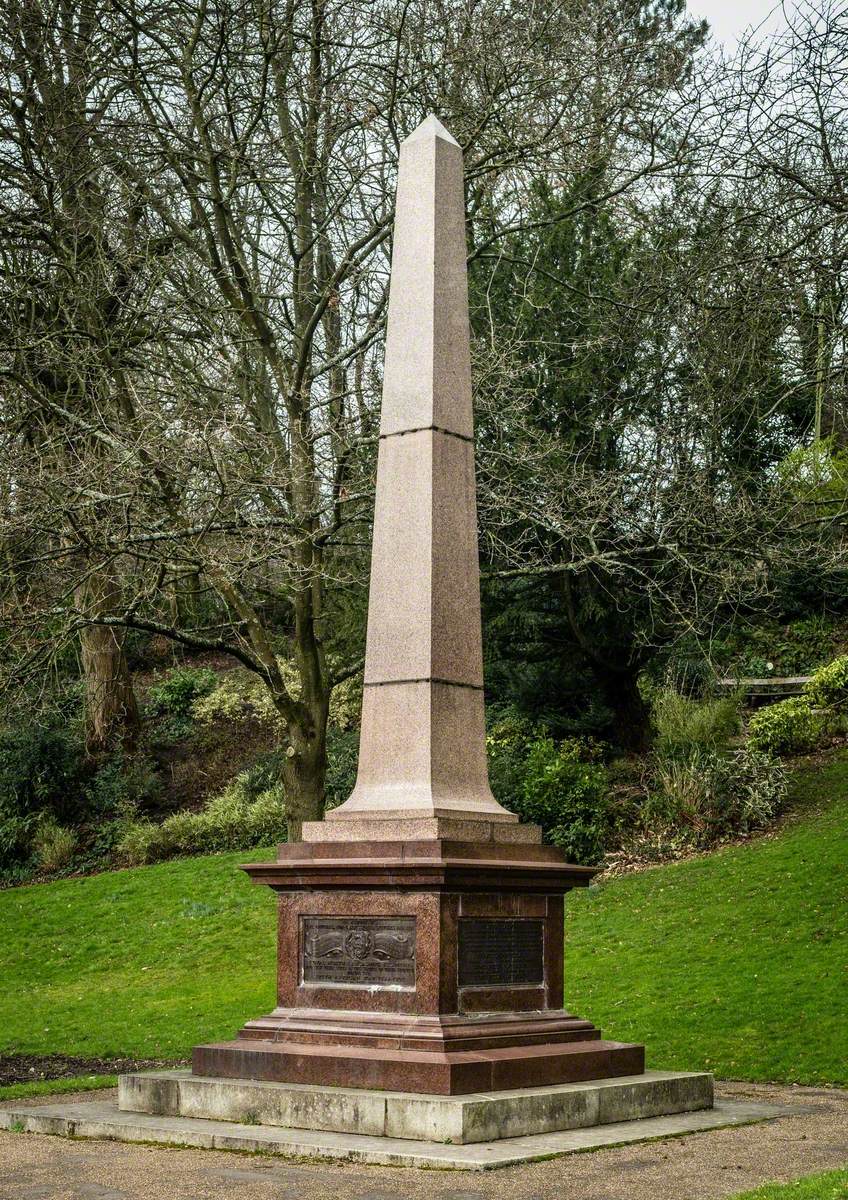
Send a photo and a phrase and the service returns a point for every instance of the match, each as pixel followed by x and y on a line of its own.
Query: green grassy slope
pixel 735 962
pixel 144 962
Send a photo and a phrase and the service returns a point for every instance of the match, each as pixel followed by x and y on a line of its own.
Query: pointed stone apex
pixel 431 127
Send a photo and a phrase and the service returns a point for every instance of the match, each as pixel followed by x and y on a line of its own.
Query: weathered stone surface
pixel 99 1119
pixel 422 746
pixel 420 829
pixel 457 1119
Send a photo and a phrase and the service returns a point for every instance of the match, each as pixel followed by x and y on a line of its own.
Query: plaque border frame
pixel 358 985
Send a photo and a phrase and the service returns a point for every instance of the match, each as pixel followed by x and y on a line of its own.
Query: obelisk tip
pixel 431 127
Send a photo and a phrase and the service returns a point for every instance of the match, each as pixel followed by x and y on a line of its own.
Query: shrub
pixel 789 727
pixel 684 726
pixel 346 704
pixel 771 647
pixel 680 792
pixel 558 785
pixel 756 786
pixel 708 795
pixel 828 687
pixel 15 839
pixel 566 796
pixel 122 786
pixel 41 770
pixel 262 775
pixel 234 820
pixel 342 758
pixel 42 773
pixel 242 694
pixel 508 743
pixel 54 846
pixel 236 697
pixel 236 823
pixel 141 843
pixel 180 689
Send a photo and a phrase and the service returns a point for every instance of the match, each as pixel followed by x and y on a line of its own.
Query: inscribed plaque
pixel 500 952
pixel 358 951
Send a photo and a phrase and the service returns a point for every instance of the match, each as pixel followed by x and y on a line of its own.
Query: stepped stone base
pixel 457 1120
pixel 438 1073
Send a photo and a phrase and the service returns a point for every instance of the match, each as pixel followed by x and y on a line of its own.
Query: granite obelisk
pixel 422 750
pixel 420 927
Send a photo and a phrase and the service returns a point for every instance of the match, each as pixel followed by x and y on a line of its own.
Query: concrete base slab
pixel 460 1120
pixel 99 1119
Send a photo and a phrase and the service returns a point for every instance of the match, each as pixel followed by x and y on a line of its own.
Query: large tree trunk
pixel 619 684
pixel 632 715
pixel 111 713
pixel 304 772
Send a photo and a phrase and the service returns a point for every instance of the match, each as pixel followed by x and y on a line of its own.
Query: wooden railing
pixel 765 691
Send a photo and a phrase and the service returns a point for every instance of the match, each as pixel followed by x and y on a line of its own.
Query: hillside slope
pixel 735 962
pixel 154 958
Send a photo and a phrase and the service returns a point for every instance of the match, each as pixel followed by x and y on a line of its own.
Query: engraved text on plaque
pixel 358 951
pixel 500 952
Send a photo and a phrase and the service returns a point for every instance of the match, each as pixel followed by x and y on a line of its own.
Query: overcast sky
pixel 730 18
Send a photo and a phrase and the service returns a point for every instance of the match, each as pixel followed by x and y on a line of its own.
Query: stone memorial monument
pixel 420 924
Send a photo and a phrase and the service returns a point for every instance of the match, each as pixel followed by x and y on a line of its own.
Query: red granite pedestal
pixel 432 966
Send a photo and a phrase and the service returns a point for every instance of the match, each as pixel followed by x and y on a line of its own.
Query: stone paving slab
pixel 99 1119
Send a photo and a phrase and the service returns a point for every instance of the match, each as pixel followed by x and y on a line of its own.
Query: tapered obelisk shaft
pixel 422 749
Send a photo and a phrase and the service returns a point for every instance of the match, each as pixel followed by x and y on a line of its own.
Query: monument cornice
pixel 455 870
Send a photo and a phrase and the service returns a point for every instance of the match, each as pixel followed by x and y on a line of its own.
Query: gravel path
pixel 719 1163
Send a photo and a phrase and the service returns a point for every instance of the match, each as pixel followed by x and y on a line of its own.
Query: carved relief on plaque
pixel 358 951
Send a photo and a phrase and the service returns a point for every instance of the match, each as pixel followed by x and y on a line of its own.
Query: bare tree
pixel 73 308
pixel 243 160
pixel 793 95
pixel 649 364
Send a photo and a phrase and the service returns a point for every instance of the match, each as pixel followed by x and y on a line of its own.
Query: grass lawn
pixel 735 962
pixel 53 1087
pixel 830 1185
pixel 141 963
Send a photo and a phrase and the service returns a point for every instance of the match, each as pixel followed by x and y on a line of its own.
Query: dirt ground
pixel 32 1068
pixel 695 1167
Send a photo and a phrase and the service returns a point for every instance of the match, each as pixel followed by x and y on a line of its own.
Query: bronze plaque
pixel 500 952
pixel 358 951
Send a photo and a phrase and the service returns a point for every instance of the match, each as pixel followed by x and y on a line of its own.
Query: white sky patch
pixel 730 19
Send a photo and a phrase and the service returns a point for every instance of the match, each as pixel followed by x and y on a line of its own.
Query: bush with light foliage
pixel 54 845
pixel 241 695
pixel 828 687
pixel 709 795
pixel 234 820
pixel 789 727
pixel 683 725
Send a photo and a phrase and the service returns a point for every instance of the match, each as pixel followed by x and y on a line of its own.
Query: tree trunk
pixel 632 715
pixel 111 712
pixel 303 773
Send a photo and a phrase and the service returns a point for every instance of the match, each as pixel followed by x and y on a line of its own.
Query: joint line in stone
pixel 476 687
pixel 463 437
